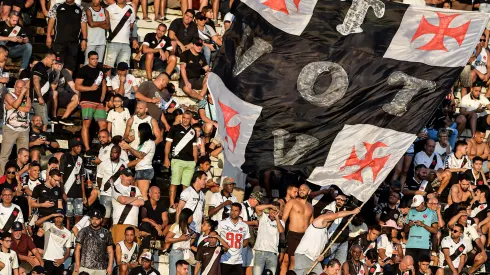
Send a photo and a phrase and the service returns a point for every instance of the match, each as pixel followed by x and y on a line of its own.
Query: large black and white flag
pixel 335 91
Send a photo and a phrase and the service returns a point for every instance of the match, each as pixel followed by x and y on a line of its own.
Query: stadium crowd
pixel 99 206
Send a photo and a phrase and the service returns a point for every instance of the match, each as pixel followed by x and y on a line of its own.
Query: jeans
pixel 99 49
pixel 206 51
pixel 174 256
pixel 452 138
pixel 20 50
pixel 116 53
pixel 9 138
pixel 302 264
pixel 339 252
pixel 264 260
pixel 74 207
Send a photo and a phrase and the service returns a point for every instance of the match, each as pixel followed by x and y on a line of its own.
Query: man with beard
pixel 140 116
pixel 72 166
pixel 476 174
pixel 156 52
pixel 354 266
pixel 48 197
pixel 107 173
pixel 340 247
pixel 127 252
pixel 452 257
pixel 434 163
pixel 154 215
pixel 388 211
pixel 40 142
pixel 21 162
pixel 291 194
pixel 57 242
pixel 105 147
pixel 460 192
pixel 418 184
pixel 93 252
pixel 25 248
pixel 299 212
pixel 314 241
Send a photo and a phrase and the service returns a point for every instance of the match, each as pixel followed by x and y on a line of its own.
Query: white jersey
pixel 469 236
pixel 267 235
pixel 481 61
pixel 384 243
pixel 118 208
pixel 471 104
pixel 28 183
pixel 96 36
pixel 452 162
pixel 105 171
pixel 234 234
pixel 433 160
pixel 118 121
pixel 216 200
pixel 6 212
pixel 194 200
pixel 313 242
pixel 134 129
pixel 455 249
pixel 55 241
pixel 9 259
pixel 129 83
pixel 115 15
pixel 128 255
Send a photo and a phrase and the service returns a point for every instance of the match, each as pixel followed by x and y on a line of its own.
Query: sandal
pixel 147 19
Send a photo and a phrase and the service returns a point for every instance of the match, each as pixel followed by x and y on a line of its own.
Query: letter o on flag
pixel 338 86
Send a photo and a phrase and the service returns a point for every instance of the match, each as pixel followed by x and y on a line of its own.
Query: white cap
pixel 147 256
pixel 417 200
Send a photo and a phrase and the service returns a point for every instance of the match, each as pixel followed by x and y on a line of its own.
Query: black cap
pixel 197 41
pixel 17 226
pixel 95 213
pixel 127 172
pixel 200 16
pixel 60 211
pixel 76 141
pixel 122 66
pixel 39 269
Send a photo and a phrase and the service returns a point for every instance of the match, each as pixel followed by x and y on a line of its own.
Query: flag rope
pixel 334 239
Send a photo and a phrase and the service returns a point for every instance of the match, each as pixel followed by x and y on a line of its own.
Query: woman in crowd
pixel 180 237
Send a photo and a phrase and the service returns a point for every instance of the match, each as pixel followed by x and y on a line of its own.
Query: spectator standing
pixel 40 89
pixel 220 203
pixel 127 200
pixel 208 254
pixel 108 173
pixel 181 147
pixel 73 168
pixel 8 256
pixel 140 117
pixel 94 253
pixel 25 248
pixel 153 92
pixel 157 49
pixel 145 267
pixel 122 17
pixel 91 84
pixel 193 199
pixel 267 242
pixel 127 252
pixel 125 84
pixel 144 158
pixel 180 235
pixel 98 23
pixel 67 19
pixel 420 224
pixel 57 242
pixel 14 36
pixel 9 212
pixel 182 31
pixel 17 105
pixel 192 66
pixel 117 117
pixel 340 247
pixel 48 197
pixel 154 215
pixel 236 234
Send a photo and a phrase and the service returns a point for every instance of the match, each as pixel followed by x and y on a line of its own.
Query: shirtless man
pixel 476 147
pixel 460 192
pixel 291 193
pixel 300 213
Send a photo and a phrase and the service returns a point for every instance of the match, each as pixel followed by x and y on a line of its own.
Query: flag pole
pixel 334 239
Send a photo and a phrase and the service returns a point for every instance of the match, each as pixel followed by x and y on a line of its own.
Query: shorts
pixel 106 201
pixel 93 110
pixel 67 53
pixel 182 171
pixel 74 207
pixel 294 239
pixel 481 123
pixel 16 3
pixel 302 264
pixel 470 258
pixel 196 83
pixel 447 270
pixel 248 255
pixel 145 174
pixel 64 98
pixel 173 4
pixel 158 64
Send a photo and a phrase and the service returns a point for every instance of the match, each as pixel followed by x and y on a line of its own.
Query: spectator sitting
pixel 443 148
pixel 472 110
pixel 64 93
pixel 478 148
pixel 207 111
pixel 157 49
pixel 211 40
pixel 14 36
pixel 23 245
pixel 191 68
pixel 41 142
pixel 182 31
pixel 125 84
pixel 458 162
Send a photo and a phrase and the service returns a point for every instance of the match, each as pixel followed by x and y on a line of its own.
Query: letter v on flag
pixel 443 38
pixel 290 16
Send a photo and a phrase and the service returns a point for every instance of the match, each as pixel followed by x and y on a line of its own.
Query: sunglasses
pixel 456 231
pixel 482 40
pixel 10 172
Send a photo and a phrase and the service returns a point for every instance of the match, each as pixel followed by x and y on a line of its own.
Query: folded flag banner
pixel 335 91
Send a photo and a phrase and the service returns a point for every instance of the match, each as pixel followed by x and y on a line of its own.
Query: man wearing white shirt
pixel 9 212
pixel 220 203
pixel 7 256
pixel 193 198
pixel 126 200
pixel 472 110
pixel 122 17
pixel 108 173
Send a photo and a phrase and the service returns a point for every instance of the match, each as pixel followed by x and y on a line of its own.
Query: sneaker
pixel 55 121
pixel 171 210
pixel 65 122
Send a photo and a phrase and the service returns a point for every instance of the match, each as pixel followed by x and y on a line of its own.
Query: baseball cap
pixel 392 224
pixel 197 41
pixel 200 16
pixel 60 211
pixel 122 66
pixel 95 213
pixel 147 256
pixel 76 141
pixel 17 226
pixel 257 195
pixel 127 172
pixel 417 200
pixel 228 180
pixel 39 269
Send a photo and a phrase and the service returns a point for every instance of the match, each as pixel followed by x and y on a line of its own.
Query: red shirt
pixel 24 245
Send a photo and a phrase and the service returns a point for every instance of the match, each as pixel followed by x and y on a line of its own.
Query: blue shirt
pixel 419 237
